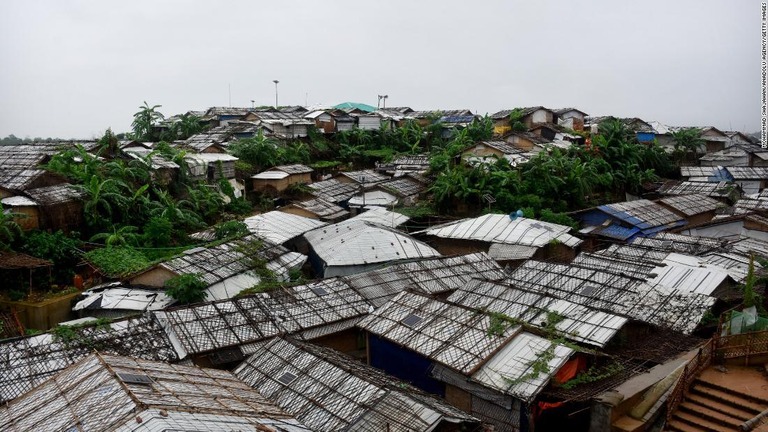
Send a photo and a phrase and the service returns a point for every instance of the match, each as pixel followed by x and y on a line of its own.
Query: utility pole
pixel 276 82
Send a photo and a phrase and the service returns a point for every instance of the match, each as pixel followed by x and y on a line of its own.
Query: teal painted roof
pixel 352 105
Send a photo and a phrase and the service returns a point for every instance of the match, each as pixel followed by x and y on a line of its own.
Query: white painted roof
pixel 124 298
pixel 499 228
pixel 19 201
pixel 356 242
pixel 373 198
pixel 382 216
pixel 279 227
pixel 515 361
pixel 212 157
pixel 270 175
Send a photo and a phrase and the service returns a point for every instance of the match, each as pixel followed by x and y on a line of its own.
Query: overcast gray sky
pixel 72 68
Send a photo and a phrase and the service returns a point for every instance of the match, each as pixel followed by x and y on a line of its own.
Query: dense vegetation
pixel 138 218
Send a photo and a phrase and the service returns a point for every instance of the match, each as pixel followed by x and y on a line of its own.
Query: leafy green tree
pixel 186 288
pixel 9 230
pixel 259 151
pixel 687 141
pixel 108 144
pixel 104 200
pixel 60 248
pixel 144 122
pixel 125 235
pixel 158 232
pixel 75 163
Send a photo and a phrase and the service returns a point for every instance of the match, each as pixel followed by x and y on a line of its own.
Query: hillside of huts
pixel 347 269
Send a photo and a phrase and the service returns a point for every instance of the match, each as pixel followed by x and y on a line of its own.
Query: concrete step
pixel 627 424
pixel 696 421
pixel 746 396
pixel 680 426
pixel 739 412
pixel 705 413
pixel 728 397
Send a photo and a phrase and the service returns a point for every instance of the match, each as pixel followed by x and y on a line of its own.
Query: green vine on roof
pixel 593 374
pixel 75 334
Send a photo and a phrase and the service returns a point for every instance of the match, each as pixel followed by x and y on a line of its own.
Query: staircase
pixel 720 402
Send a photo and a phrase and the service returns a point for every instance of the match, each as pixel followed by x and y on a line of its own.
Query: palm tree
pixel 687 140
pixel 175 211
pixel 125 235
pixel 144 121
pixel 103 198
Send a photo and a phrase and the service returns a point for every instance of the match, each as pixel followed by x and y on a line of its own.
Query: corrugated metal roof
pixel 615 264
pixel 373 198
pixel 205 327
pixel 643 214
pixel 631 297
pixel 364 177
pixel 27 362
pixel 499 251
pixel 687 278
pixel 334 190
pixel 747 246
pixel 748 173
pixel 497 228
pixel 329 391
pixel 580 323
pixel 405 186
pixel 382 216
pixel 510 371
pixel 118 297
pixel 106 393
pixel 19 179
pixel 279 227
pixel 270 175
pixel 325 210
pixel 223 261
pixel 691 205
pixel 737 266
pixel 356 242
pixel 294 169
pixel 432 276
pixel 718 189
pixel 672 242
pixel 52 195
pixel 442 332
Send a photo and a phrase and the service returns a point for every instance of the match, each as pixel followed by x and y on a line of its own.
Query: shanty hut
pixel 505 238
pixel 328 391
pixel 626 220
pixel 283 228
pixel 227 268
pixel 61 206
pixel 488 152
pixel 103 392
pixel 362 178
pixel 438 276
pixel 695 208
pixel 14 181
pixel 672 308
pixel 460 354
pixel 28 362
pixel 721 190
pixel 356 246
pixel 317 208
pixel 334 191
pixel 280 178
pixel 25 212
pixel 222 333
